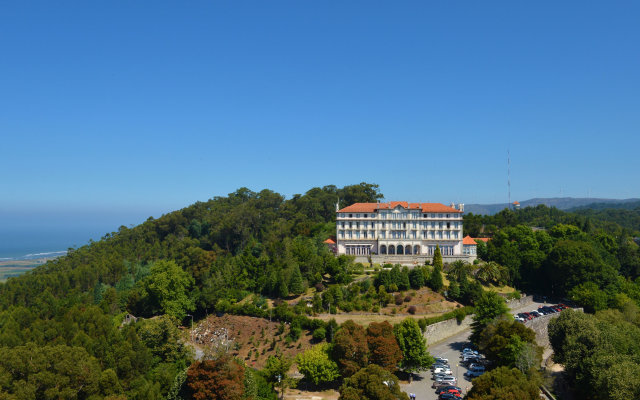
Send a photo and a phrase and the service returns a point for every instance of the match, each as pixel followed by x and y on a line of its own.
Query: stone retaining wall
pixel 444 329
pixel 521 302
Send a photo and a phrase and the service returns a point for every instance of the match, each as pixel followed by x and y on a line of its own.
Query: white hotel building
pixel 400 231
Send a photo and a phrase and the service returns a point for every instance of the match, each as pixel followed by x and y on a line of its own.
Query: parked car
pixel 439 364
pixel 441 360
pixel 447 380
pixel 449 396
pixel 445 389
pixel 441 371
pixel 468 350
pixel 474 374
pixel 535 313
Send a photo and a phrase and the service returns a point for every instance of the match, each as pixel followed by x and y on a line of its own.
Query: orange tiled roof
pixel 423 207
pixel 329 241
pixel 468 240
pixel 516 203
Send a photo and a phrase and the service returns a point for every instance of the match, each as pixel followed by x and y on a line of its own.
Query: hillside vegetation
pixel 66 313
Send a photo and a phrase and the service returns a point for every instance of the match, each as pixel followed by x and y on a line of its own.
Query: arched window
pixel 392 249
pixel 400 249
pixel 383 249
pixel 416 249
pixel 407 249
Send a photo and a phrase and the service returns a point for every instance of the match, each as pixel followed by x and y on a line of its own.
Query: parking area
pixel 451 349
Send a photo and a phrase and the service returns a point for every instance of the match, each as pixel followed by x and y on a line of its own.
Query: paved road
pixel 450 348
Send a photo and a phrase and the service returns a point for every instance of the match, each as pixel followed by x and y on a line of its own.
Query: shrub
pixel 412 310
pixel 319 287
pixel 393 287
pixel 422 323
pixel 398 299
pixel 319 334
pixel 407 298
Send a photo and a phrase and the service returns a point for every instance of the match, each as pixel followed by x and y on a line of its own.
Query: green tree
pixel 437 258
pixel 490 306
pixel 436 282
pixel 459 271
pixel 413 346
pixel 505 383
pixel 372 383
pixel 168 285
pixel 163 339
pixel 276 371
pixel 505 342
pixel 296 285
pixel 316 366
pixel 416 278
pixel 589 296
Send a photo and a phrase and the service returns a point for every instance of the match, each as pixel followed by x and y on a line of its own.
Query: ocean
pixel 16 244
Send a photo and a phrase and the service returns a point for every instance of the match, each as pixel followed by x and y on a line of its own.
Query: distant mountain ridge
pixel 562 203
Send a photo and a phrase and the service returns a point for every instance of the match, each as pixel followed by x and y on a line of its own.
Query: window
pixel 365 234
pixel 447 235
pixel 358 224
pixel 455 225
pixel 448 225
pixel 384 225
pixel 455 234
pixel 350 215
pixel 365 216
pixel 448 215
pixel 341 215
pixel 440 225
pixel 383 234
pixel 439 215
pixel 425 215
pixel 433 215
pixel 357 234
pixel 350 224
pixel 341 234
pixel 357 215
pixel 350 234
pixel 342 224
pixel 413 225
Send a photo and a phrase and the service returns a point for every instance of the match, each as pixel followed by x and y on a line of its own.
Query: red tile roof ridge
pixel 425 207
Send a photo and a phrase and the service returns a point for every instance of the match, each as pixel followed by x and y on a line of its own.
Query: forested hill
pixel 65 314
pixel 618 222
pixel 626 215
pixel 562 203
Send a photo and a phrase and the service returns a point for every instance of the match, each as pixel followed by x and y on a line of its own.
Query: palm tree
pixel 459 270
pixel 489 272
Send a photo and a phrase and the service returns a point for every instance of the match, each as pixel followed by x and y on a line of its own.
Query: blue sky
pixel 121 110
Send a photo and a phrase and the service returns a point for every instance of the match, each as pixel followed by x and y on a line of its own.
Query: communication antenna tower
pixel 509 177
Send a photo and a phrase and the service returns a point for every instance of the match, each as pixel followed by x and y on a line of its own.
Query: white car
pixel 442 370
pixel 474 373
pixel 441 360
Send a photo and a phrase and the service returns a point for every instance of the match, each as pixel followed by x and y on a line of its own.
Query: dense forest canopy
pixel 185 261
pixel 214 255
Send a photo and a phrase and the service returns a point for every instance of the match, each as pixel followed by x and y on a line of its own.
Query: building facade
pixel 399 229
